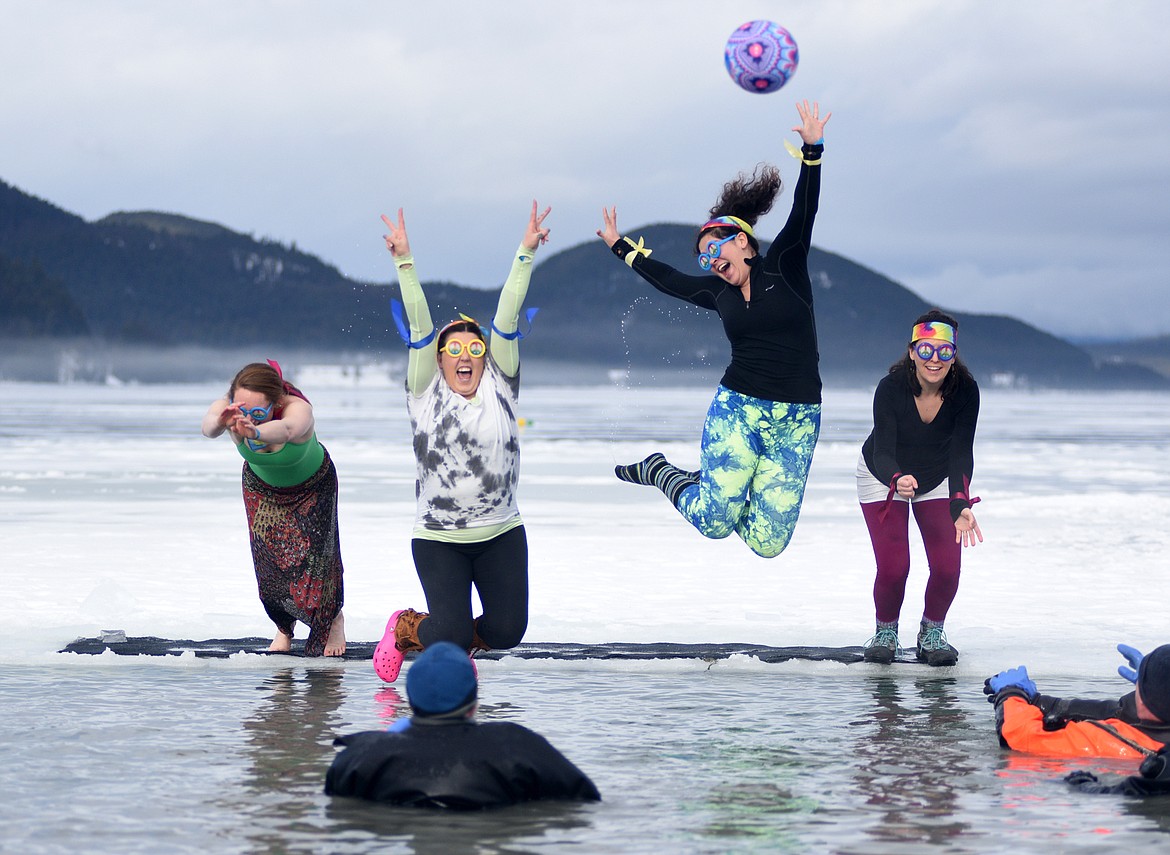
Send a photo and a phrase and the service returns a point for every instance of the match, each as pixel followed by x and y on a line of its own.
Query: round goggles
pixel 257 414
pixel 475 348
pixel 926 351
pixel 714 248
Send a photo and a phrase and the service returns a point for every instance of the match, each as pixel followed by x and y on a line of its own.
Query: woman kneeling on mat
pixel 763 424
pixel 920 455
pixel 462 397
pixel 290 497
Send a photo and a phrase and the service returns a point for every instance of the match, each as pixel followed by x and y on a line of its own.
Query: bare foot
pixel 335 643
pixel 281 644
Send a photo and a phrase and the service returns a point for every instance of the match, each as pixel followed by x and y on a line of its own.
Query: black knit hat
pixel 1154 681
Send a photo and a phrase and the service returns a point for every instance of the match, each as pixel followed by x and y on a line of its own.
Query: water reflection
pixel 438 832
pixel 391 705
pixel 911 762
pixel 1033 785
pixel 291 731
pixel 287 746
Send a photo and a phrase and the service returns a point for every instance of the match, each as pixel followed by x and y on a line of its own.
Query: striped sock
pixel 657 471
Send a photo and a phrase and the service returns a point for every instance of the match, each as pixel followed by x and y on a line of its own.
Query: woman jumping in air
pixel 763 424
pixel 462 396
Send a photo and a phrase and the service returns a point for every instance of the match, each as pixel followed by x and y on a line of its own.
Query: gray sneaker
pixel 932 646
pixel 883 647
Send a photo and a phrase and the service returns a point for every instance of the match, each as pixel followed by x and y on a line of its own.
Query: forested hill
pixel 165 280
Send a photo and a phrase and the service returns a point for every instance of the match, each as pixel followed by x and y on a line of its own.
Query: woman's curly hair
pixel 745 197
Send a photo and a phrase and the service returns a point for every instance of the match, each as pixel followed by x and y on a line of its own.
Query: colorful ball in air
pixel 761 56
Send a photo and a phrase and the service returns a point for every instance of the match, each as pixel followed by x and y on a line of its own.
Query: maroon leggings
pixel 891 548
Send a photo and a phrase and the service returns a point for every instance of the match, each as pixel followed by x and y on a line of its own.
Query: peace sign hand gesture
pixel 536 233
pixel 396 240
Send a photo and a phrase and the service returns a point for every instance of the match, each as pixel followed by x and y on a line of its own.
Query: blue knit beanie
pixel 1154 681
pixel 441 680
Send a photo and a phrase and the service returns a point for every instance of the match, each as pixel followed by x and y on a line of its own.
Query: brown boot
pixel 477 643
pixel 406 630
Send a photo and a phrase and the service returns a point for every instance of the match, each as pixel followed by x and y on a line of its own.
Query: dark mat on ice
pixel 221 648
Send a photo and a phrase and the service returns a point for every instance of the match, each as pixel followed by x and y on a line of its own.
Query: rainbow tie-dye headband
pixel 936 330
pixel 734 222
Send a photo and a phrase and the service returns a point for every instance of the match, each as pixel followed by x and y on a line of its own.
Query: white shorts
pixel 870 489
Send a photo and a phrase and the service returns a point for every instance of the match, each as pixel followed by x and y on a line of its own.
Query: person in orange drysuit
pixel 1135 725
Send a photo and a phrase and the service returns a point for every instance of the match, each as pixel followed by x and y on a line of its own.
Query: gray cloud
pixel 993 156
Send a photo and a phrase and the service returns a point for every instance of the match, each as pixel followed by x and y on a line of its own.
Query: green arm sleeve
pixel 505 351
pixel 421 363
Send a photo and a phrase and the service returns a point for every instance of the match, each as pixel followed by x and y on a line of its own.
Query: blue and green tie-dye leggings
pixel 755 459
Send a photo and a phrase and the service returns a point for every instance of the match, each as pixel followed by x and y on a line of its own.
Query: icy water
pixel 190 757
pixel 115 514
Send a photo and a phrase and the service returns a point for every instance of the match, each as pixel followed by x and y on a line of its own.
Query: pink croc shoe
pixel 401 636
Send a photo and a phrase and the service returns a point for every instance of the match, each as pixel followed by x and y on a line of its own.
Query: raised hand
pixel 396 240
pixel 536 233
pixel 812 126
pixel 609 233
pixel 1134 657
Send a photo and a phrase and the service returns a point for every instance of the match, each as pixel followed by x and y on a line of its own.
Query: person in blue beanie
pixel 441 757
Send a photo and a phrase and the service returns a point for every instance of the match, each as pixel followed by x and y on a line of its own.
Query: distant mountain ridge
pixel 169 280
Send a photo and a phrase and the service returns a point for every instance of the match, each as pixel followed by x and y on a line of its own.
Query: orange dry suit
pixel 1071 727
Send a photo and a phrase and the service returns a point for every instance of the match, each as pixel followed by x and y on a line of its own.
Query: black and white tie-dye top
pixel 468 453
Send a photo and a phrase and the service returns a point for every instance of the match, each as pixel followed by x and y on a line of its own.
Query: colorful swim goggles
pixel 714 248
pixel 475 348
pixel 926 351
pixel 257 414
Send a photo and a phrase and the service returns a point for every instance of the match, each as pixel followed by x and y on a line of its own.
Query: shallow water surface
pixel 154 755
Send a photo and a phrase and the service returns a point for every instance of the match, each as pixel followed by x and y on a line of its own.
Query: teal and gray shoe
pixel 883 647
pixel 932 646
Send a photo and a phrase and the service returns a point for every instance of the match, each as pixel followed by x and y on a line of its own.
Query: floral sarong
pixel 296 550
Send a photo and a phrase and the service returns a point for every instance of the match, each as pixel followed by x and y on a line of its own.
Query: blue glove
pixel 1134 657
pixel 1014 678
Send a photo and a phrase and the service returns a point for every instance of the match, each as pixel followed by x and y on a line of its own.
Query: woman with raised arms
pixel 763 424
pixel 462 388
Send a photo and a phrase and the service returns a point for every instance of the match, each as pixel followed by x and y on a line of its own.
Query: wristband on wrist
pixel 799 155
pixel 628 251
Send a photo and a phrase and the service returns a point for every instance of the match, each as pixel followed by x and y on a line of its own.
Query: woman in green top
pixel 290 496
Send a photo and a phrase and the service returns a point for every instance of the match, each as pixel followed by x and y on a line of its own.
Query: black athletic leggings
pixel 499 570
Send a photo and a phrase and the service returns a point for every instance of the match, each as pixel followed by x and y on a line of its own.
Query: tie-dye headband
pixel 734 222
pixel 933 329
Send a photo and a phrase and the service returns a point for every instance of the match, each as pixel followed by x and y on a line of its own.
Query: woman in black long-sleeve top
pixel 920 455
pixel 763 424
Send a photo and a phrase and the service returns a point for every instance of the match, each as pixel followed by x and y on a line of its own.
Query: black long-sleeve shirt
pixel 461 765
pixel 773 336
pixel 901 443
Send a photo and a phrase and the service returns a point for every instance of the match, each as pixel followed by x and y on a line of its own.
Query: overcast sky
pixel 998 156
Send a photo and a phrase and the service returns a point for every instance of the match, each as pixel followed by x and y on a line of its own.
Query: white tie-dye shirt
pixel 467 451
